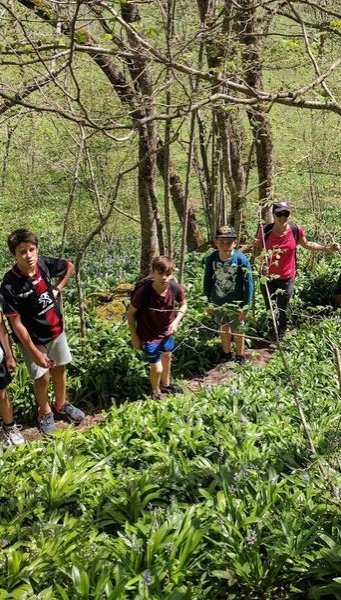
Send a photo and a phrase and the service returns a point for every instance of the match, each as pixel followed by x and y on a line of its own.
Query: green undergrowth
pixel 212 494
pixel 106 369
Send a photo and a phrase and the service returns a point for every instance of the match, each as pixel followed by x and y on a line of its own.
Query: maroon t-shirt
pixel 157 312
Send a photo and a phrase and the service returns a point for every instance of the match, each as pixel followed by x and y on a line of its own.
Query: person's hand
pixel 42 360
pixel 136 343
pixel 11 363
pixel 334 247
pixel 173 328
pixel 56 292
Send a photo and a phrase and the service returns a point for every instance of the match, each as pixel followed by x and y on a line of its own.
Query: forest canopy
pixel 138 116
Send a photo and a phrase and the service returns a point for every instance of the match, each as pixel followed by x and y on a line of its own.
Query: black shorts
pixel 5 377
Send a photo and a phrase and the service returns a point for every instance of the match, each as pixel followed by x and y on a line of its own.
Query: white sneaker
pixel 11 436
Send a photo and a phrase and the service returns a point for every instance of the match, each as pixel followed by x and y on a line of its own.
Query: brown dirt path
pixel 215 376
pixel 225 371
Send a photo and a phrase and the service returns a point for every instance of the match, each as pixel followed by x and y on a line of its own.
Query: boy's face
pixel 225 245
pixel 26 256
pixel 162 278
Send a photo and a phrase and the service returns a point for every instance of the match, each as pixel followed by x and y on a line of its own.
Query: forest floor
pixel 215 376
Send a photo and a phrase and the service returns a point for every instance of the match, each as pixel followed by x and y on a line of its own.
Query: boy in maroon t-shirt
pixel 29 303
pixel 152 322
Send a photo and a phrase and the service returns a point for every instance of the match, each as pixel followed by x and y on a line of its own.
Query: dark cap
pixel 225 231
pixel 280 207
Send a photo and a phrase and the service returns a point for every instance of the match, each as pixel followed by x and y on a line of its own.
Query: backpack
pixel 146 283
pixel 269 227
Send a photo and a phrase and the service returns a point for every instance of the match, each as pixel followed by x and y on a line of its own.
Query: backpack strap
pixel 214 261
pixel 175 287
pixel 147 289
pixel 43 268
pixel 295 231
pixel 267 231
pixel 293 226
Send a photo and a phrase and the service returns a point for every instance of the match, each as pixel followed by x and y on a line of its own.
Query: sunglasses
pixel 283 213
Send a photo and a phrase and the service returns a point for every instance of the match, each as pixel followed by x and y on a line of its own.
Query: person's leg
pixel 269 293
pixel 267 290
pixel 6 411
pixel 237 329
pixel 152 354
pixel 337 300
pixel 59 351
pixel 165 348
pixel 41 378
pixel 155 376
pixel 10 434
pixel 40 391
pixel 337 294
pixel 240 344
pixel 166 360
pixel 225 337
pixel 58 375
pixel 284 294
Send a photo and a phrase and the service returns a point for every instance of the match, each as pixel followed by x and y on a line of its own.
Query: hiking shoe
pixel 226 357
pixel 71 412
pixel 156 395
pixel 172 388
pixel 11 436
pixel 46 423
pixel 241 360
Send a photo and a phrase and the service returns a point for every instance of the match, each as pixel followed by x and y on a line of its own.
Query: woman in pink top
pixel 280 239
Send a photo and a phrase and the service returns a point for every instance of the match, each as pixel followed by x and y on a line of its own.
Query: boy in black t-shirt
pixel 37 324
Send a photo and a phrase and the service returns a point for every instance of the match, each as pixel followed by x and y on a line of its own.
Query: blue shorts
pixel 153 350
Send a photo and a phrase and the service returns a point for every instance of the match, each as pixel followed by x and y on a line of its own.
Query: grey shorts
pixel 57 350
pixel 228 315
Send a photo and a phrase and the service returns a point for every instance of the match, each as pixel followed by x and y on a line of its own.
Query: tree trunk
pixel 149 231
pixel 194 237
pixel 259 121
pixel 218 53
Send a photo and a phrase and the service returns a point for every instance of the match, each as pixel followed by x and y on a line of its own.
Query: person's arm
pixel 248 284
pixel 208 277
pixel 257 248
pixel 7 346
pixel 316 247
pixel 63 280
pixel 135 340
pixel 25 339
pixel 173 327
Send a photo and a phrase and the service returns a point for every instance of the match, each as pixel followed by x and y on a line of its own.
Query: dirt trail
pixel 215 376
pixel 226 371
pixel 33 433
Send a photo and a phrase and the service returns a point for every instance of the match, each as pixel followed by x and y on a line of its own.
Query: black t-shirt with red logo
pixel 32 298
